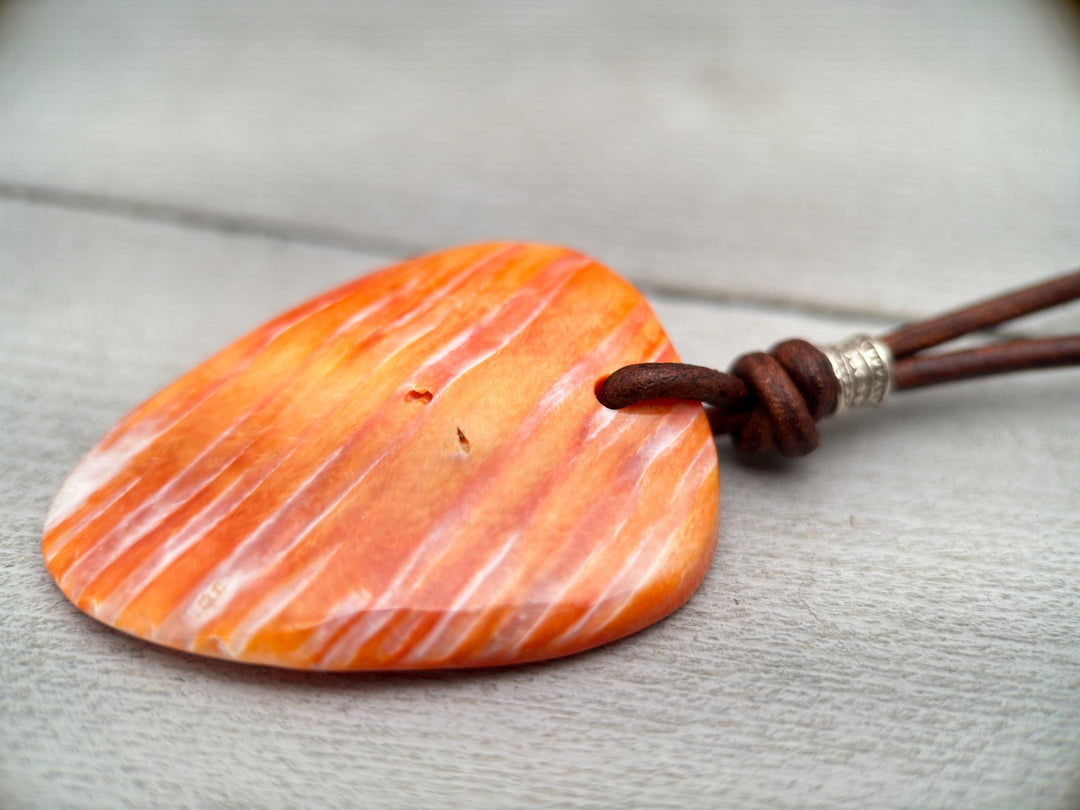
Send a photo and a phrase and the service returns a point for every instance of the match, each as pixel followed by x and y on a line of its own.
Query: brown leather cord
pixel 999 358
pixel 767 401
pixel 932 332
pixel 772 401
pixel 644 381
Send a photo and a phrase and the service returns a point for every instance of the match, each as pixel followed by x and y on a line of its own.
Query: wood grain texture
pixel 891 621
pixel 854 155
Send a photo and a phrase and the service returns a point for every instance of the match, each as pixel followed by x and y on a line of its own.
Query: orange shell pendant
pixel 409 472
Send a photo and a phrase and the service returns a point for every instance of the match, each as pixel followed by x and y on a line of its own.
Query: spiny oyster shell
pixel 411 471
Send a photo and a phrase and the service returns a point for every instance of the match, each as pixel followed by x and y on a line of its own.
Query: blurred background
pixel 891 623
pixel 811 153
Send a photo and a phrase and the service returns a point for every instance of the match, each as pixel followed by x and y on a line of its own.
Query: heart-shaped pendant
pixel 411 471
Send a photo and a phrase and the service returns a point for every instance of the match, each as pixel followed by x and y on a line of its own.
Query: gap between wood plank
pixel 388 247
pixel 206 220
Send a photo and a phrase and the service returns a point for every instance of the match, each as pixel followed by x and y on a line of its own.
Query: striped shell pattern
pixel 411 471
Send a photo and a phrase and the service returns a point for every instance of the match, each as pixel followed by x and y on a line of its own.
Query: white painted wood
pixel 891 622
pixel 757 148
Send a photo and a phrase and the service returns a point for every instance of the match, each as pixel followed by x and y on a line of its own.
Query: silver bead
pixel 863 367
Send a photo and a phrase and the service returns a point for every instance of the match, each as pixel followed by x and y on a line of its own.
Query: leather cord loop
pixel 780 417
pixel 772 401
pixel 766 401
pixel 793 387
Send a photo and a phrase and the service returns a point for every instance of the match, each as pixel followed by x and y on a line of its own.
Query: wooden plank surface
pixel 862 156
pixel 891 622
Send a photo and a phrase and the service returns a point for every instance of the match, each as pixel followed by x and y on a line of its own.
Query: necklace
pixel 485 456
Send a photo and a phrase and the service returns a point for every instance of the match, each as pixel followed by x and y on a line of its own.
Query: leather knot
pixel 767 401
pixel 791 388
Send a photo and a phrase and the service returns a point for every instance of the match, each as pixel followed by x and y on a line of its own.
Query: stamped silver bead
pixel 863 367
